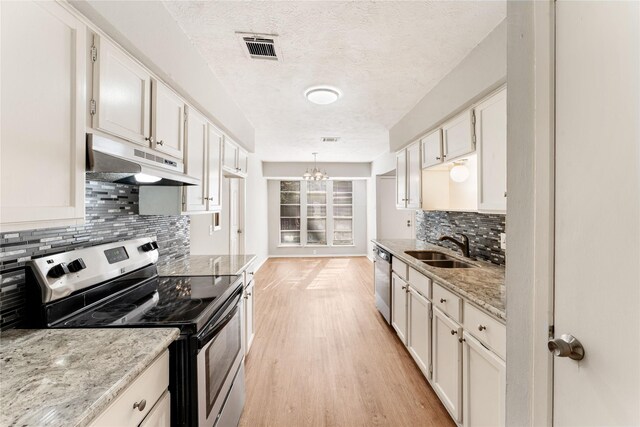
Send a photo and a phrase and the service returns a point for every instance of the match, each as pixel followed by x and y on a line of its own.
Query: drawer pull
pixel 442 300
pixel 453 332
pixel 140 405
pixel 251 273
pixel 482 328
pixel 404 287
pixel 461 340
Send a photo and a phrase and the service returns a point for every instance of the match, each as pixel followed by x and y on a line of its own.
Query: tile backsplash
pixel 111 214
pixel 483 231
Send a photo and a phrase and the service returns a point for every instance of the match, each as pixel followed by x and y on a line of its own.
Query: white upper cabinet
pixel 196 161
pixel 43 102
pixel 408 177
pixel 491 136
pixel 432 149
pixel 234 159
pixel 167 120
pixel 214 169
pixel 122 94
pixel 243 161
pixel 457 136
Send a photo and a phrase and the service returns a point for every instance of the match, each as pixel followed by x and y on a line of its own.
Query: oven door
pixel 219 359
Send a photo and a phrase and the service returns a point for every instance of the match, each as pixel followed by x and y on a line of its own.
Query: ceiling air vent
pixel 330 139
pixel 260 46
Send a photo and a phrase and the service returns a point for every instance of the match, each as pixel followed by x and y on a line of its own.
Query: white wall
pixel 334 170
pixel 359 225
pixel 480 72
pixel 383 164
pixel 217 243
pixel 256 221
pixel 148 32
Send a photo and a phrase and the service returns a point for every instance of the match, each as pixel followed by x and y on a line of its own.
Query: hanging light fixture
pixel 316 174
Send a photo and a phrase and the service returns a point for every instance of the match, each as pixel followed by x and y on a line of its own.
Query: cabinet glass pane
pixel 316 211
pixel 316 238
pixel 290 224
pixel 290 186
pixel 342 199
pixel 316 186
pixel 288 198
pixel 316 198
pixel 290 211
pixel 342 186
pixel 317 224
pixel 343 211
pixel 290 237
pixel 342 224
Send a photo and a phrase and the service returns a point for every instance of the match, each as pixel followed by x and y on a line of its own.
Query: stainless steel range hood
pixel 114 161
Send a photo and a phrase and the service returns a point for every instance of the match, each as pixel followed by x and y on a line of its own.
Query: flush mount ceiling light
pixel 316 174
pixel 146 179
pixel 322 95
pixel 459 172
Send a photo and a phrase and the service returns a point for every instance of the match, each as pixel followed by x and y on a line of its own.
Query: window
pixel 290 212
pixel 316 213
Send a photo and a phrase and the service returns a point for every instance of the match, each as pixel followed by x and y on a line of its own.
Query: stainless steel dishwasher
pixel 382 281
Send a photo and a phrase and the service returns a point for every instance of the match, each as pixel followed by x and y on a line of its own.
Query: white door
pixel 432 149
pixel 419 330
pixel 414 177
pixel 399 306
pixel 401 179
pixel 484 382
pixel 214 153
pixel 491 134
pixel 457 136
pixel 43 102
pixel 167 122
pixel 447 362
pixel 392 223
pixel 597 227
pixel 234 216
pixel 196 162
pixel 122 89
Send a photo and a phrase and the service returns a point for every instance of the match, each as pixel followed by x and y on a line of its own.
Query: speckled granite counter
pixel 483 285
pixel 66 377
pixel 207 265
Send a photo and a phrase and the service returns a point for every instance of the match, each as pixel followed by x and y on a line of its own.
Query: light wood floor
pixel 323 356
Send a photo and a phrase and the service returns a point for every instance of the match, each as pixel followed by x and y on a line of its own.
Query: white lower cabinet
pixel 419 330
pixel 249 325
pixel 139 400
pixel 483 385
pixel 447 363
pixel 160 415
pixel 399 306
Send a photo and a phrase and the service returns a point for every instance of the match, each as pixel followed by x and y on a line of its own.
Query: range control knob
pixel 149 246
pixel 76 265
pixel 58 270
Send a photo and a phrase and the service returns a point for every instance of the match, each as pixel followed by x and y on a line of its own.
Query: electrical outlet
pixel 211 230
pixel 503 241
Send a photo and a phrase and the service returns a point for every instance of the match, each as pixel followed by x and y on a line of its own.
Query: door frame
pixel 241 213
pixel 530 211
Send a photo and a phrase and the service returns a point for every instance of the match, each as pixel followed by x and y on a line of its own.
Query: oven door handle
pixel 214 329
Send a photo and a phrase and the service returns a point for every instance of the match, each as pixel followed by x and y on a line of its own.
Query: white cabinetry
pixel 214 169
pixel 167 120
pixel 432 149
pixel 121 94
pixel 160 415
pixel 196 161
pixel 483 385
pixel 491 134
pixel 43 102
pixel 419 330
pixel 249 310
pixel 408 177
pixel 234 159
pixel 447 363
pixel 457 136
pixel 399 306
pixel 136 402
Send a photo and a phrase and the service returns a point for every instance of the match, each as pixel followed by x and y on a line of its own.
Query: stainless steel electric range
pixel 117 285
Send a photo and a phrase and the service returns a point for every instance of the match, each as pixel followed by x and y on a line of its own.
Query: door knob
pixel 566 346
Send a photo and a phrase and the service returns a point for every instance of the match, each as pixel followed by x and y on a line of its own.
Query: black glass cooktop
pixel 184 302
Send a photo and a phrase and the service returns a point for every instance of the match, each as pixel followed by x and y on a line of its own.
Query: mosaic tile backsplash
pixel 111 215
pixel 483 231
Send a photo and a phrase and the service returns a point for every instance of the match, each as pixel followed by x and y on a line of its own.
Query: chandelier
pixel 315 174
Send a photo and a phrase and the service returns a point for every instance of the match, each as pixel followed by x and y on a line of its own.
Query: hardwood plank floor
pixel 323 356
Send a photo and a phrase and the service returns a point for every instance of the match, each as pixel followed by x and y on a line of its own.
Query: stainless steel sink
pixel 449 264
pixel 429 255
pixel 438 259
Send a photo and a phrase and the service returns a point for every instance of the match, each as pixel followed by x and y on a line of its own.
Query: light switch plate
pixel 503 241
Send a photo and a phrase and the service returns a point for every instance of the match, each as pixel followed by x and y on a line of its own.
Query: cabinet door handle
pixel 481 328
pixel 454 332
pixel 404 287
pixel 140 405
pixel 161 142
pixel 461 340
pixel 442 300
pixel 438 158
pixel 148 138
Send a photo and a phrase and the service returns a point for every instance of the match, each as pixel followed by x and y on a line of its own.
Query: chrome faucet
pixel 463 245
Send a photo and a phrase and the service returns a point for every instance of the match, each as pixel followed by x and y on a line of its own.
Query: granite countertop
pixel 67 377
pixel 207 265
pixel 483 285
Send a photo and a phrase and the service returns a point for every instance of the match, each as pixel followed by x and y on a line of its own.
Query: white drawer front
pixel 399 267
pixel 148 387
pixel 420 282
pixel 448 302
pixel 486 329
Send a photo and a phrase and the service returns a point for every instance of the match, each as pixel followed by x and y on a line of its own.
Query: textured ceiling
pixel 383 56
